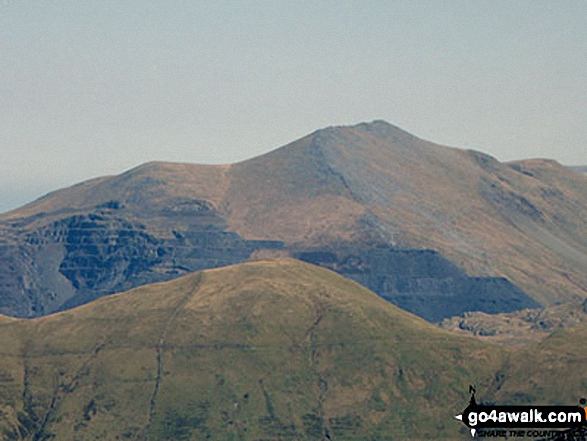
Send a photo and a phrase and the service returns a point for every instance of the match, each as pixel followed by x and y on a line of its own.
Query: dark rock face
pixel 82 257
pixel 422 281
pixel 101 253
pixel 100 250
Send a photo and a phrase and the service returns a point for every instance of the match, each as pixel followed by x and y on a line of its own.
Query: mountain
pixel 580 169
pixel 435 230
pixel 275 349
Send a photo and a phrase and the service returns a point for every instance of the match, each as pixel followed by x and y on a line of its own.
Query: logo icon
pixel 482 416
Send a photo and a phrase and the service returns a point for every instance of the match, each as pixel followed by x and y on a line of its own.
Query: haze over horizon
pixel 95 89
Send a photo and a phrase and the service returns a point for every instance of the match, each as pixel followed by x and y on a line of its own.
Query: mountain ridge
pixel 378 127
pixel 357 187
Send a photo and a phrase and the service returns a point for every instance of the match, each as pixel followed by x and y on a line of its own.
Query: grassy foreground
pixel 267 350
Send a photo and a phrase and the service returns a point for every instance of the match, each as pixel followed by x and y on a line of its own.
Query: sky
pixel 95 88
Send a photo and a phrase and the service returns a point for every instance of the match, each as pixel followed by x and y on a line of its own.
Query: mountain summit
pixel 436 230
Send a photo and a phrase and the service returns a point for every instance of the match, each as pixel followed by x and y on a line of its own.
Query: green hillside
pixel 267 350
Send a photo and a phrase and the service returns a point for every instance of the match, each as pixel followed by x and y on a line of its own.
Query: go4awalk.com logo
pixel 516 421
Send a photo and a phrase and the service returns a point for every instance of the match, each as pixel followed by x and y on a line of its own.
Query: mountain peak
pixel 378 128
pixel 354 186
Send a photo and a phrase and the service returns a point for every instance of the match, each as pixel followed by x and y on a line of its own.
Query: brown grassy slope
pixel 292 194
pixel 486 216
pixel 149 187
pixel 525 221
pixel 268 349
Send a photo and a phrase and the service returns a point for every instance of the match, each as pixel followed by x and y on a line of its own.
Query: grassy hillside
pixel 265 350
pixel 551 372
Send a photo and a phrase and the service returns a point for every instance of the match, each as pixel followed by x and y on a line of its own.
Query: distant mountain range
pixel 273 350
pixel 435 230
pixel 580 169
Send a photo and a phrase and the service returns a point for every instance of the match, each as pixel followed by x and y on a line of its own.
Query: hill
pixel 263 350
pixel 267 350
pixel 435 230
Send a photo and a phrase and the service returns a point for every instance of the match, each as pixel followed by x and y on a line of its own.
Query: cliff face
pixel 80 258
pixel 504 236
pixel 422 281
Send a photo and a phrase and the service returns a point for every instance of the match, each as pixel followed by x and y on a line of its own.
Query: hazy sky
pixel 89 88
